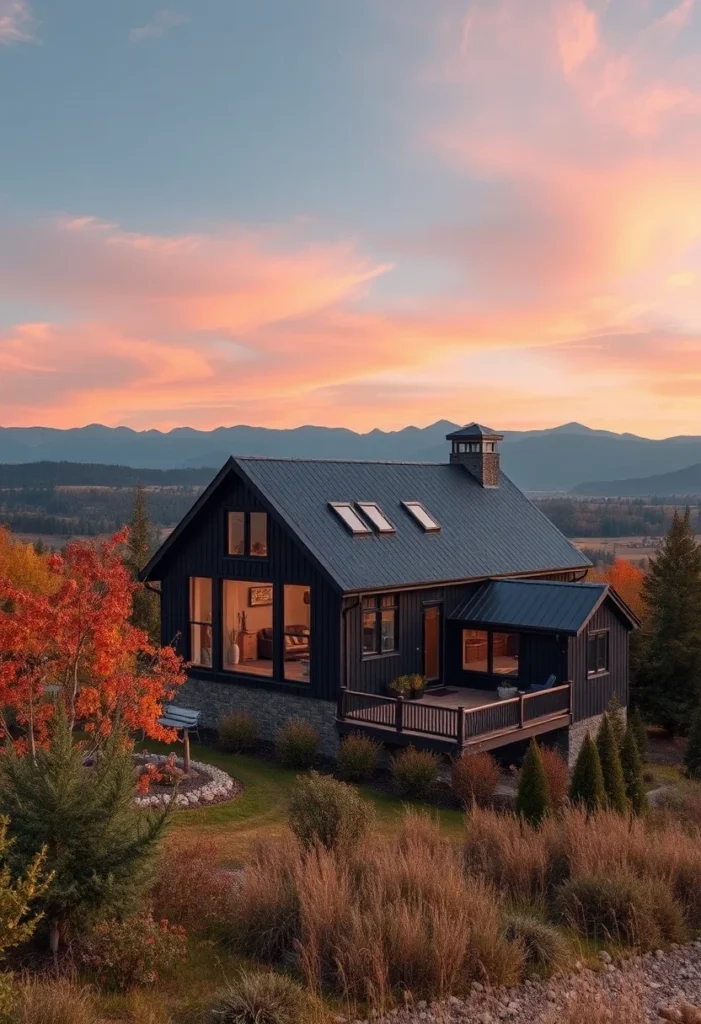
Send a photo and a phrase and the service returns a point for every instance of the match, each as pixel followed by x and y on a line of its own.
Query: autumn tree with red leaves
pixel 78 646
pixel 627 580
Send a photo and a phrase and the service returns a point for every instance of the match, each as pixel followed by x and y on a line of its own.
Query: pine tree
pixel 610 758
pixel 98 846
pixel 618 720
pixel 533 796
pixel 145 608
pixel 667 685
pixel 640 732
pixel 633 772
pixel 587 786
pixel 692 756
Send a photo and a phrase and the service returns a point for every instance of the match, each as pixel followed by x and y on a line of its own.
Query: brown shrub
pixel 414 772
pixel 191 888
pixel 621 908
pixel 475 777
pixel 396 913
pixel 515 857
pixel 44 1001
pixel 558 775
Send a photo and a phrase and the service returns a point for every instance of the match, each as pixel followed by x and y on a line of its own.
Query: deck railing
pixel 459 725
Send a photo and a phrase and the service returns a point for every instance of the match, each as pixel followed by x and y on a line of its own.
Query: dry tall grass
pixel 624 1006
pixel 45 1001
pixel 395 915
pixel 191 889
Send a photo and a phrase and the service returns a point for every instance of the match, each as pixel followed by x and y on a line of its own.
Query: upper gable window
pixel 423 518
pixel 349 517
pixel 247 534
pixel 374 513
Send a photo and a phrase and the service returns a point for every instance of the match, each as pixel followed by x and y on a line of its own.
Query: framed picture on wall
pixel 258 596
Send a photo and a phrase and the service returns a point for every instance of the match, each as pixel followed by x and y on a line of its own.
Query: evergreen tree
pixel 146 613
pixel 640 732
pixel 668 673
pixel 610 759
pixel 587 786
pixel 692 756
pixel 533 796
pixel 98 846
pixel 633 772
pixel 617 718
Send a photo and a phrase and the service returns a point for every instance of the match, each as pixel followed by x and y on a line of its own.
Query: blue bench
pixel 185 720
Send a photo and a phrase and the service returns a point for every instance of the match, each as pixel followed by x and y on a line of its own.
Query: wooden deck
pixel 442 724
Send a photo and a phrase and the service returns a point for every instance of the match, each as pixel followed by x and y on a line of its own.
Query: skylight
pixel 422 517
pixel 376 516
pixel 349 517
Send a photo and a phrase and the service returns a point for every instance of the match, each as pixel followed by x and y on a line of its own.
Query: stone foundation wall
pixel 270 709
pixel 576 734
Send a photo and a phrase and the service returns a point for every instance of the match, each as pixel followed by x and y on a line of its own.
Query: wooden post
pixel 461 728
pixel 186 757
pixel 399 714
pixel 520 711
pixel 340 710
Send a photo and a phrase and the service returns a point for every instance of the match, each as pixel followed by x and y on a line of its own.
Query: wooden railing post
pixel 461 728
pixel 520 711
pixel 340 708
pixel 399 714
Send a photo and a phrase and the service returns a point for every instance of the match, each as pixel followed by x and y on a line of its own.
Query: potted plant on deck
pixel 505 691
pixel 400 687
pixel 417 686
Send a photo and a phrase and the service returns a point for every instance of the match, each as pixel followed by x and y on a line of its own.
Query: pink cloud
pixel 16 22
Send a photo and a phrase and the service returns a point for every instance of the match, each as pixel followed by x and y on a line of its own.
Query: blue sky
pixel 362 213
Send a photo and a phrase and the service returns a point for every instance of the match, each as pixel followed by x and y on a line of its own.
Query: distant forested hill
pixel 681 483
pixel 90 474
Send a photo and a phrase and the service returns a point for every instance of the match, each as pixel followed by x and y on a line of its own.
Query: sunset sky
pixel 351 212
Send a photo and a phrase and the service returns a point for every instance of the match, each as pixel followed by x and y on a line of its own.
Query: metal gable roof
pixel 483 532
pixel 538 606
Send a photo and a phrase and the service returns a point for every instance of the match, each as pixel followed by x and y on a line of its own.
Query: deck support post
pixel 461 728
pixel 399 714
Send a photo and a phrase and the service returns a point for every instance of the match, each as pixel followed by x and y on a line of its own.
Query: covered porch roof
pixel 536 606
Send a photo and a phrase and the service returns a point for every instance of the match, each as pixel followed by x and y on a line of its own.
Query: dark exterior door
pixel 432 643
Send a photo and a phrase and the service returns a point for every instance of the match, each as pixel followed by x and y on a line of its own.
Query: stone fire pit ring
pixel 214 785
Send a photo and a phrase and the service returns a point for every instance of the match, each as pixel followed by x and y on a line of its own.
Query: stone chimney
pixel 477 449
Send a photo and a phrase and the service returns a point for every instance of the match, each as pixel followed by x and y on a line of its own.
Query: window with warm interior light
pixel 505 648
pixel 475 650
pixel 297 633
pixel 247 534
pixel 201 621
pixel 380 624
pixel 247 627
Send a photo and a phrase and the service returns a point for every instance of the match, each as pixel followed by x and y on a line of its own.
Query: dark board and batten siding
pixel 592 694
pixel 201 551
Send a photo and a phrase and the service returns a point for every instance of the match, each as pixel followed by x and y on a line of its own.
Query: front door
pixel 432 643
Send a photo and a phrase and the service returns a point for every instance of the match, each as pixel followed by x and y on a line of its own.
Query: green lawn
pixel 260 809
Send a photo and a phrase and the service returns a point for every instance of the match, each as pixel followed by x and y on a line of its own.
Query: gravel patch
pixel 664 979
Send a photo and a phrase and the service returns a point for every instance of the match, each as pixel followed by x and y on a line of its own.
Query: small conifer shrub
pixel 640 733
pixel 587 786
pixel 610 757
pixel 633 773
pixel 533 796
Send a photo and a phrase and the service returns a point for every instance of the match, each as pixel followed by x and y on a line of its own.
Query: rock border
pixel 217 787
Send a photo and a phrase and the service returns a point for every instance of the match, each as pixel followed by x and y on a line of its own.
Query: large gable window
pixel 380 624
pixel 201 621
pixel 598 653
pixel 247 534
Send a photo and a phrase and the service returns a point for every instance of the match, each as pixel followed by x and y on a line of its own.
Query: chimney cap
pixel 472 431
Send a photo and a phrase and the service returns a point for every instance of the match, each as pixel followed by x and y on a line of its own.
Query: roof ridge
pixel 550 583
pixel 355 462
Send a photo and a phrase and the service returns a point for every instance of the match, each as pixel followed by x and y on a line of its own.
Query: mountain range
pixel 556 459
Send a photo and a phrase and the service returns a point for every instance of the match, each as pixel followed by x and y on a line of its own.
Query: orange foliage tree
pixel 77 646
pixel 627 580
pixel 22 566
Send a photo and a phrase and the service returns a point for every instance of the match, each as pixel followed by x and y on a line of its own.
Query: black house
pixel 314 588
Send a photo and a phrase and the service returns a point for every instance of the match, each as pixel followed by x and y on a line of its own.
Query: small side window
pixel 598 653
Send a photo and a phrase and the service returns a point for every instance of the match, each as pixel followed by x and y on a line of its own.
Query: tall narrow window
pixel 297 633
pixel 237 533
pixel 258 534
pixel 247 621
pixel 201 621
pixel 380 624
pixel 597 653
